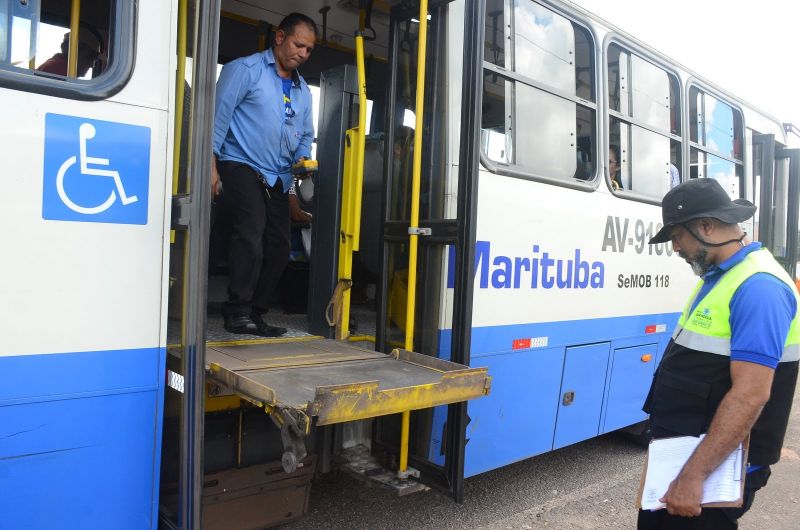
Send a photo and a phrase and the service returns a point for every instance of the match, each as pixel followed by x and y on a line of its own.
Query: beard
pixel 698 262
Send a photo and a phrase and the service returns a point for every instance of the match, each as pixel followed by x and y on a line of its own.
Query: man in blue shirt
pixel 262 126
pixel 731 367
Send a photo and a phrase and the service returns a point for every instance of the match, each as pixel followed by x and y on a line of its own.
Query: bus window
pixel 19 22
pixel 495 138
pixel 3 32
pixel 650 94
pixel 713 124
pixel 544 45
pixel 35 39
pixel 538 93
pixel 706 165
pixel 494 47
pixel 716 135
pixel 644 124
pixel 617 65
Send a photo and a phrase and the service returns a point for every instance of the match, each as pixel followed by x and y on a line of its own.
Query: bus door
pixel 182 448
pixel 302 382
pixel 422 315
pixel 776 191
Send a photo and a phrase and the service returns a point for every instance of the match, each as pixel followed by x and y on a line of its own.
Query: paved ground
pixel 585 486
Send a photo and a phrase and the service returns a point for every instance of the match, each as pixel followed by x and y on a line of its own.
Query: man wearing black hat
pixel 731 367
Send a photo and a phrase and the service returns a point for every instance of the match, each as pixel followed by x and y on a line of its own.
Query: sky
pixel 751 49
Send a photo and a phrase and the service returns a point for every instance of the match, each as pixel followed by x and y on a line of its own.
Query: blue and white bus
pixel 476 287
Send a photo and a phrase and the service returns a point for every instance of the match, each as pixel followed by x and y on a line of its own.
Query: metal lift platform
pixel 328 381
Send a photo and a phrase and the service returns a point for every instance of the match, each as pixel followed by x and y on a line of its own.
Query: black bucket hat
pixel 696 198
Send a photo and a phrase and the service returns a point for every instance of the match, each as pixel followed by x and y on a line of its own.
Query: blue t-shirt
pixel 762 309
pixel 287 97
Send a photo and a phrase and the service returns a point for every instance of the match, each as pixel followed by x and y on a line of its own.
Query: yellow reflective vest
pixel 694 374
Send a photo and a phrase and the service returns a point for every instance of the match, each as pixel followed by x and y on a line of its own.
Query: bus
pixel 475 289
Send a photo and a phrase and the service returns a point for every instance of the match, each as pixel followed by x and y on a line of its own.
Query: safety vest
pixel 708 327
pixel 694 374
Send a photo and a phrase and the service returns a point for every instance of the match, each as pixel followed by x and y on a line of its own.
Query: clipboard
pixel 725 504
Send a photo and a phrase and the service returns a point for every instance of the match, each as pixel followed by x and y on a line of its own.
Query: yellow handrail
pixel 74 27
pixel 362 135
pixel 352 193
pixel 180 88
pixel 179 93
pixel 415 179
pixel 413 237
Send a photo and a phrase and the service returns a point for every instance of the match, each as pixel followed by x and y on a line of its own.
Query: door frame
pixel 771 153
pixel 191 212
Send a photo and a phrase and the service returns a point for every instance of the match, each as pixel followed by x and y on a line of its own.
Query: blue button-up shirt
pixel 250 121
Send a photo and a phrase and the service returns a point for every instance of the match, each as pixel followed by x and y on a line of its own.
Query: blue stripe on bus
pixel 80 439
pixel 520 416
pixel 493 340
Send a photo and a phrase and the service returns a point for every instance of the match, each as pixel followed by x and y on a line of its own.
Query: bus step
pixel 360 464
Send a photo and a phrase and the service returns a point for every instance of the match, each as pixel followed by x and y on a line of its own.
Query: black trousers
pixel 259 245
pixel 709 518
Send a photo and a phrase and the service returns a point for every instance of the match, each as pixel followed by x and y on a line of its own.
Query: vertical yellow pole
pixel 355 229
pixel 345 268
pixel 179 93
pixel 74 27
pixel 352 192
pixel 414 221
pixel 415 182
pixel 180 90
pixel 404 428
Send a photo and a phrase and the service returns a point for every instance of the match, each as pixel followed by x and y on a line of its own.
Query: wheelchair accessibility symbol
pixel 95 171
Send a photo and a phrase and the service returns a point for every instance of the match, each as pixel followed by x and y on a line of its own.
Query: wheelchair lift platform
pixel 332 381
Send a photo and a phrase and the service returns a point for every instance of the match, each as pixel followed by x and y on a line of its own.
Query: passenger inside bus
pixel 614 168
pixel 256 181
pixel 89 50
pixel 674 176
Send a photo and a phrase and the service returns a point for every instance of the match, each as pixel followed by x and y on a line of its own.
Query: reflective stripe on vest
pixel 708 327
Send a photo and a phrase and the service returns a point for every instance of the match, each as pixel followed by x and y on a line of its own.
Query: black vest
pixel 689 386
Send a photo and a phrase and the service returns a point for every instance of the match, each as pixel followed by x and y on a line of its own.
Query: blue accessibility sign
pixel 95 171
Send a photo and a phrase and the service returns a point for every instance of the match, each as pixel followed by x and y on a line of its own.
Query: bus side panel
pixel 546 253
pixel 71 425
pixel 630 376
pixel 83 286
pixel 85 211
pixel 517 420
pixel 529 377
pixel 519 417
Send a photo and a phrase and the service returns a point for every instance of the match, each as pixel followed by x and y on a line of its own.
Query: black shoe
pixel 264 329
pixel 240 324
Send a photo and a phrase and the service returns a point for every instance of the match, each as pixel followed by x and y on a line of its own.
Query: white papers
pixel 665 459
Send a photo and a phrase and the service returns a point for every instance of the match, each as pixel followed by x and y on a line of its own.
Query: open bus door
pixel 302 384
pixel 416 205
pixel 776 185
pixel 181 477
